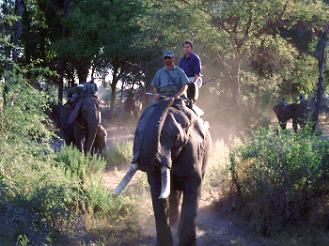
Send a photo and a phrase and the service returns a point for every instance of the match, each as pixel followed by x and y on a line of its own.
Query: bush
pixel 282 179
pixel 47 196
pixel 23 117
pixel 42 201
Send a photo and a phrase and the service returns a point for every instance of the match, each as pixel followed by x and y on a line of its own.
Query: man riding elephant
pixel 170 80
pixel 191 64
pixel 171 145
pixel 80 119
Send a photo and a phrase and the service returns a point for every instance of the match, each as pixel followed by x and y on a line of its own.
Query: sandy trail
pixel 213 227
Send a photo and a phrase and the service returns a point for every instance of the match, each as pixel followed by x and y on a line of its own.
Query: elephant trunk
pixel 165 183
pixel 126 179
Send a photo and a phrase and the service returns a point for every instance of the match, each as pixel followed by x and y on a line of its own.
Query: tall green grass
pixel 120 154
pixel 59 196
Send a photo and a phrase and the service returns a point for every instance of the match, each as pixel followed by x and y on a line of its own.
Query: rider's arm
pixel 196 77
pixel 155 85
pixel 182 91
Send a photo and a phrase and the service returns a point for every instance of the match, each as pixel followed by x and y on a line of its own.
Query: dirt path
pixel 213 227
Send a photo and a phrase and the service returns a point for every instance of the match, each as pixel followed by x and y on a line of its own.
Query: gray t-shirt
pixel 167 86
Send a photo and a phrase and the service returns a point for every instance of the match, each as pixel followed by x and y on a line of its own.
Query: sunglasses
pixel 167 57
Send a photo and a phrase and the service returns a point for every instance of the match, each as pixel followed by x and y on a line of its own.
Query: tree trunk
pixel 120 107
pixel 236 82
pixel 6 31
pixel 82 67
pixel 113 94
pixel 321 55
pixel 61 82
pixel 18 28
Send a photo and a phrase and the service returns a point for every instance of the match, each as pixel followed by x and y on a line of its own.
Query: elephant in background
pixel 300 113
pixel 169 136
pixel 132 106
pixel 80 125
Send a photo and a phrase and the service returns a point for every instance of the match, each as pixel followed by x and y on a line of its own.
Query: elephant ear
pixel 147 135
pixel 74 114
pixel 174 136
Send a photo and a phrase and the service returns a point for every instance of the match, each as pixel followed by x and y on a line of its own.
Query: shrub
pixel 47 196
pixel 282 178
pixel 22 118
pixel 56 196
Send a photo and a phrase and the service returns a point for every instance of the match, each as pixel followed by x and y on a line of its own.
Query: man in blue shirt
pixel 191 63
pixel 170 80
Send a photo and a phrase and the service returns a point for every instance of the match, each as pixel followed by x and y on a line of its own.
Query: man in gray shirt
pixel 170 80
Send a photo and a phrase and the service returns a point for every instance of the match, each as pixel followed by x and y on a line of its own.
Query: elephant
pixel 132 106
pixel 80 125
pixel 172 145
pixel 298 112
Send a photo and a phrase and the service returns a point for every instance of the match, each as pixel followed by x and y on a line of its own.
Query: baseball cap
pixel 168 53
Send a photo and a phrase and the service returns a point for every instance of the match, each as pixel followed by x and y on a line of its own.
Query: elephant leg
pixel 283 125
pixel 100 140
pixel 174 199
pixel 295 125
pixel 164 235
pixel 191 196
pixel 78 137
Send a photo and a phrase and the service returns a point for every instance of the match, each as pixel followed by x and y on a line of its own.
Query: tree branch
pixel 272 24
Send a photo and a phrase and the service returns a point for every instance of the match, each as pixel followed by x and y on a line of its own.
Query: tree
pixel 241 25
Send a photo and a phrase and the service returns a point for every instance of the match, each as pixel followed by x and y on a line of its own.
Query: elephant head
pixel 169 138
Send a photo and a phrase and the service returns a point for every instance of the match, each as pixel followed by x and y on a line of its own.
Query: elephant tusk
pixel 165 183
pixel 126 179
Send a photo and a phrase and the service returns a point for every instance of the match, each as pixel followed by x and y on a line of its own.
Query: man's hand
pixel 176 97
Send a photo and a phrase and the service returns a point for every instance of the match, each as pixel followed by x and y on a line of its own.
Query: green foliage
pixel 46 195
pixel 52 196
pixel 282 178
pixel 22 117
pixel 120 153
pixel 79 165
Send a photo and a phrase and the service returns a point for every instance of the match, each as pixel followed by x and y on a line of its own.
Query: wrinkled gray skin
pixel 166 136
pixel 80 125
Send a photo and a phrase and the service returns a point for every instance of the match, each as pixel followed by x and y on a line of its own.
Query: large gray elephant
pixel 172 146
pixel 80 125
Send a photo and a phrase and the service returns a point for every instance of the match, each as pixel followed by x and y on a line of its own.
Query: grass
pixel 120 154
pixel 216 181
pixel 58 196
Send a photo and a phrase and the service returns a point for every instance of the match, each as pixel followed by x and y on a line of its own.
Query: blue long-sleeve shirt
pixel 191 65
